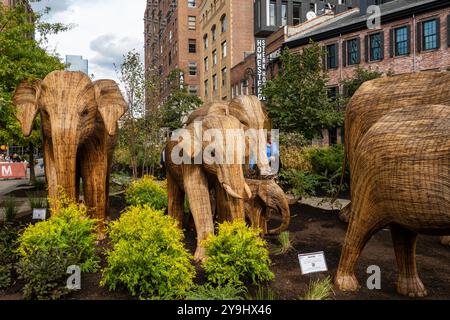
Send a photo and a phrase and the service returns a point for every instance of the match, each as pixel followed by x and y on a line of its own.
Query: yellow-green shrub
pixel 147 191
pixel 148 256
pixel 236 254
pixel 48 248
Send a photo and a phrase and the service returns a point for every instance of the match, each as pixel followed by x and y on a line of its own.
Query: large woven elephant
pixel 398 148
pixel 195 180
pixel 79 129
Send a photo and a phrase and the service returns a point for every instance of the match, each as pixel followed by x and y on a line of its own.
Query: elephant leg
pixel 196 188
pixel 360 230
pixel 409 283
pixel 94 173
pixel 50 173
pixel 176 200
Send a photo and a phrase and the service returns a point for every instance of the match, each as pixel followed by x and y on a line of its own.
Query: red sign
pixel 13 170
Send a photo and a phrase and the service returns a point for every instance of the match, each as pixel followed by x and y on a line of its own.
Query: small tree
pixel 179 102
pixel 22 57
pixel 297 99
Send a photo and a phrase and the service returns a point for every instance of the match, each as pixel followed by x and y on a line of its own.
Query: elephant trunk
pixel 65 160
pixel 277 201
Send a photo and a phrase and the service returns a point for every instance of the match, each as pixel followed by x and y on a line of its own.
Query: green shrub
pixel 236 254
pixel 299 183
pixel 10 208
pixel 327 161
pixel 48 248
pixel 148 256
pixel 263 294
pixel 147 191
pixel 209 292
pixel 8 255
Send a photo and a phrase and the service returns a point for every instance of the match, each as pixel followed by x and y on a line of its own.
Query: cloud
pixel 110 50
pixel 55 5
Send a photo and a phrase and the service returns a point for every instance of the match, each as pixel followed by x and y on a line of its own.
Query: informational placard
pixel 39 214
pixel 261 67
pixel 312 262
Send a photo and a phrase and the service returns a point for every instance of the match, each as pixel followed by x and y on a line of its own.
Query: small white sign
pixel 39 214
pixel 312 262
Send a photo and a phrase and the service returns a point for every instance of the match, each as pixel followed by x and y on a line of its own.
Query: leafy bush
pixel 148 256
pixel 236 254
pixel 300 183
pixel 48 248
pixel 209 292
pixel 10 209
pixel 147 191
pixel 327 161
pixel 8 255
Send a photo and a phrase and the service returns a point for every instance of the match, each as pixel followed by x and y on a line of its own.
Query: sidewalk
pixel 324 203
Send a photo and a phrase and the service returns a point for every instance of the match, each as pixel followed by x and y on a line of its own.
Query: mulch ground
pixel 311 230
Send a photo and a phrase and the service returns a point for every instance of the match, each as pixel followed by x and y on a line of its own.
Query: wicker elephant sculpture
pixel 398 148
pixel 79 129
pixel 267 199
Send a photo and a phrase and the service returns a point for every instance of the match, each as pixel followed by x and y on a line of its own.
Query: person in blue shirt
pixel 272 152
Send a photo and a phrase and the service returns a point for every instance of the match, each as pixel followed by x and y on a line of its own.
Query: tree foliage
pixel 361 75
pixel 297 99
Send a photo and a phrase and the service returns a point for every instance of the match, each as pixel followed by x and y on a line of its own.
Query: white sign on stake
pixel 39 214
pixel 312 262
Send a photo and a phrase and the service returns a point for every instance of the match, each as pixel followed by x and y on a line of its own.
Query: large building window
pixel 296 13
pixel 215 84
pixel 206 63
pixel 224 49
pixel 353 51
pixel 401 41
pixel 193 90
pixel 224 77
pixel 430 34
pixel 332 56
pixel 206 84
pixel 192 69
pixel 376 47
pixel 213 33
pixel 214 53
pixel 205 41
pixel 272 13
pixel 192 22
pixel 223 23
pixel 191 3
pixel 284 13
pixel 192 46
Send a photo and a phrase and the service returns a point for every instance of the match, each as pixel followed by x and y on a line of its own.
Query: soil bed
pixel 311 230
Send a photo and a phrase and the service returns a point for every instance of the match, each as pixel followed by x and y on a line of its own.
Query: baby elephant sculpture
pixel 267 197
pixel 79 129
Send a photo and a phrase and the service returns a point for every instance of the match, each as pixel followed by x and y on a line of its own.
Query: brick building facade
pixel 226 37
pixel 172 42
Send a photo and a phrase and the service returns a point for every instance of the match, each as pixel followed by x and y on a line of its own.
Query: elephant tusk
pixel 248 191
pixel 231 192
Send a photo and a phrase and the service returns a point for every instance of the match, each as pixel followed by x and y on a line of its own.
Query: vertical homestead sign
pixel 13 170
pixel 260 67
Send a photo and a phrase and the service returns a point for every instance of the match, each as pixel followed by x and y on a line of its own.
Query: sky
pixel 104 30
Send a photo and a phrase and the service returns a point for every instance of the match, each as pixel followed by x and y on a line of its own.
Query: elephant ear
pixel 26 100
pixel 111 103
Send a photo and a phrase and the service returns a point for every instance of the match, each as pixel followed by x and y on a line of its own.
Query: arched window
pixel 205 41
pixel 213 33
pixel 223 22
